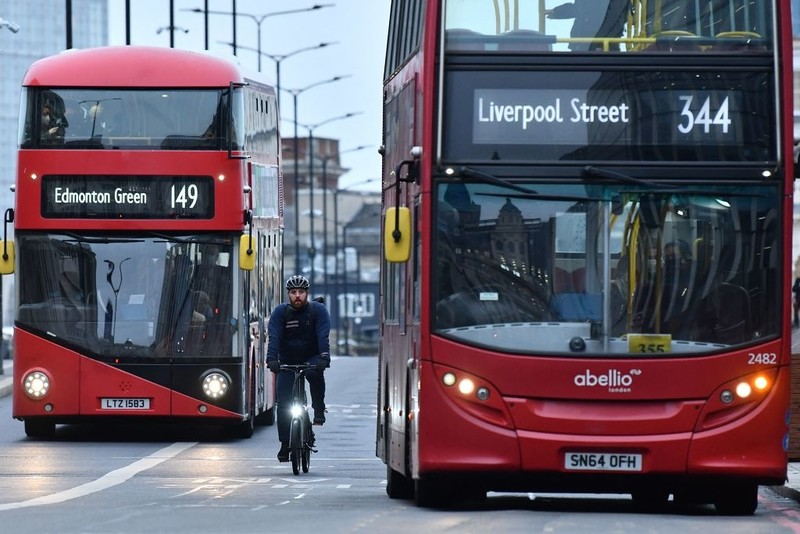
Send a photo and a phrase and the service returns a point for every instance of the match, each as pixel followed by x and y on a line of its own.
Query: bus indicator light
pixel 449 379
pixel 761 383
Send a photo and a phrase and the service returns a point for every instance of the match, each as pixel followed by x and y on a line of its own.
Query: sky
pixel 356 27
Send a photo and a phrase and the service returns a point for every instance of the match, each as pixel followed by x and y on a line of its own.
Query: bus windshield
pixel 679 26
pixel 139 297
pixel 151 119
pixel 602 269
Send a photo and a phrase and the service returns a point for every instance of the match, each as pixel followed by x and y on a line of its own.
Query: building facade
pixel 332 236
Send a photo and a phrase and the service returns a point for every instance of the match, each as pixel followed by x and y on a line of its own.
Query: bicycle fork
pixel 301 426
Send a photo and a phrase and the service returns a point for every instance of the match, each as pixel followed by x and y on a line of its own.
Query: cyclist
pixel 298 333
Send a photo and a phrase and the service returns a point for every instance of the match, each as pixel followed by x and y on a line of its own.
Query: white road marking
pixel 109 480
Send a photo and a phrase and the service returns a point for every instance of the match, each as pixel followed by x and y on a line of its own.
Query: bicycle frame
pixel 301 436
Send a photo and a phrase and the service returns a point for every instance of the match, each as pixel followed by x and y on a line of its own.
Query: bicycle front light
pixel 215 384
pixel 296 410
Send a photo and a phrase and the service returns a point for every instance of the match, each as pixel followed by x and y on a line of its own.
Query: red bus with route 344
pixel 587 225
pixel 148 240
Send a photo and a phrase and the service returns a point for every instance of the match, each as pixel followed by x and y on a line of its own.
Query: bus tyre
pixel 245 429
pixel 41 428
pixel 267 417
pixel 737 499
pixel 398 486
pixel 430 493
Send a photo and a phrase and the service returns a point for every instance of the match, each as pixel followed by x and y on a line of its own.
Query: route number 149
pixel 183 196
pixel 705 116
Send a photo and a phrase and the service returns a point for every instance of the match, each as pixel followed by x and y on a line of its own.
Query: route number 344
pixel 705 117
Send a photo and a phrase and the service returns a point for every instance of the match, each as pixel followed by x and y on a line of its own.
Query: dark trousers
pixel 285 381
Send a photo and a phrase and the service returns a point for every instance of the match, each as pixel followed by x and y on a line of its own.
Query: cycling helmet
pixel 297 282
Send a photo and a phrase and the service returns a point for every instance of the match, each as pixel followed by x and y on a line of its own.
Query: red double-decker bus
pixel 587 213
pixel 148 240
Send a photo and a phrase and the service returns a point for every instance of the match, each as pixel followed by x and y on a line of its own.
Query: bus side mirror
pixel 397 234
pixel 247 253
pixel 6 257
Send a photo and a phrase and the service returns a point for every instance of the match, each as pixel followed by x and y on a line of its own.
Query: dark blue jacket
pixel 298 336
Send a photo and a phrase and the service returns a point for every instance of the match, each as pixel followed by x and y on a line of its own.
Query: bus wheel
pixel 245 429
pixel 737 499
pixel 430 493
pixel 398 486
pixel 39 427
pixel 267 417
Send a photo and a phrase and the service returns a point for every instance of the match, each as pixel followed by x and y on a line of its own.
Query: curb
pixel 7 378
pixel 787 492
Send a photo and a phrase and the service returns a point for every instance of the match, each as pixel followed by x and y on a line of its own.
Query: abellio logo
pixel 616 381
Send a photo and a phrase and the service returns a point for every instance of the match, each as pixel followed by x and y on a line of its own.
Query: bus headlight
pixel 466 386
pixel 474 395
pixel 736 398
pixel 216 384
pixel 36 385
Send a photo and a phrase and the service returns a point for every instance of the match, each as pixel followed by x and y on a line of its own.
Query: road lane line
pixel 109 480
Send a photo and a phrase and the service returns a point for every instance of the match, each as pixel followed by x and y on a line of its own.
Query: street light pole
pixel 341 303
pixel 258 19
pixel 278 58
pixel 295 93
pixel 13 27
pixel 325 160
pixel 311 128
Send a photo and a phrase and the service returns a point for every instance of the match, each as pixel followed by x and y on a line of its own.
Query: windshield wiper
pixel 597 172
pixel 526 193
pixel 494 180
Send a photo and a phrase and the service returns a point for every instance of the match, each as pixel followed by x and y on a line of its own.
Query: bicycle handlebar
pixel 296 366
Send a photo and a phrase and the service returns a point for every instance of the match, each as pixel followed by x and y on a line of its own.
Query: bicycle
pixel 301 435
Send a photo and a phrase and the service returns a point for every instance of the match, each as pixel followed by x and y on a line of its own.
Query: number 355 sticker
pixel 649 343
pixel 706 117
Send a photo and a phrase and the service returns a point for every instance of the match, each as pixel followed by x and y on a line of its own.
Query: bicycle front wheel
pixel 306 459
pixel 296 445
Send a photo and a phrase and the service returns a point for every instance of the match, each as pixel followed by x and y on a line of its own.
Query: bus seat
pixel 578 307
pixel 733 320
pixel 675 41
pixel 562 281
pixel 739 41
pixel 579 279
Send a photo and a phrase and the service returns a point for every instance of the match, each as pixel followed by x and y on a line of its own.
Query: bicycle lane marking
pixel 109 480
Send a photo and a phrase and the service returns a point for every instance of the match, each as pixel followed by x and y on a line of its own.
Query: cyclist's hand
pixel 321 364
pixel 274 366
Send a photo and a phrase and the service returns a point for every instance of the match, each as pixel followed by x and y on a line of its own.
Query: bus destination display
pixel 614 115
pixel 128 197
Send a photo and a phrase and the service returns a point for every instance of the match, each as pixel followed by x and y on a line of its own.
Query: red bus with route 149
pixel 587 225
pixel 148 240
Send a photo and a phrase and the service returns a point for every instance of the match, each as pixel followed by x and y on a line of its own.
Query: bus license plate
pixel 124 404
pixel 590 461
